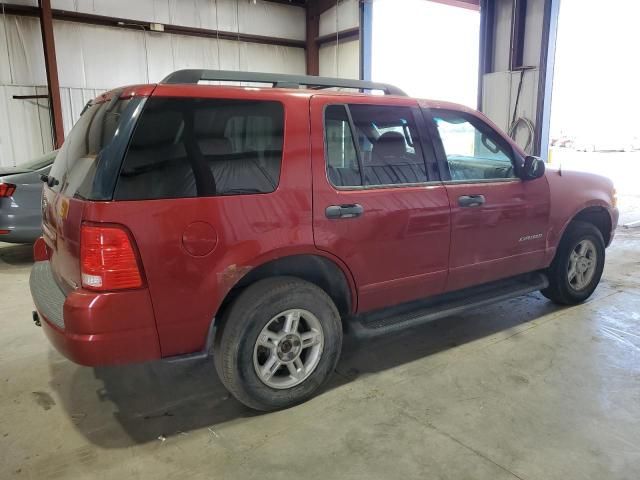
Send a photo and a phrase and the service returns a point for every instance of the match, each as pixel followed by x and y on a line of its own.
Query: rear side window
pixel 77 162
pixel 377 145
pixel 203 147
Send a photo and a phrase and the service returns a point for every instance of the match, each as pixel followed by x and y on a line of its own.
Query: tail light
pixel 7 189
pixel 108 260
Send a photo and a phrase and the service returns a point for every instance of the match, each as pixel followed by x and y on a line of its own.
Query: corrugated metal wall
pixel 92 59
pixel 341 59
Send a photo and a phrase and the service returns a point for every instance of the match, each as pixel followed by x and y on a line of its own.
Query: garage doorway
pixel 595 97
pixel 427 48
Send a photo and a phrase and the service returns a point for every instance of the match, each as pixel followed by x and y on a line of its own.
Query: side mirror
pixel 533 168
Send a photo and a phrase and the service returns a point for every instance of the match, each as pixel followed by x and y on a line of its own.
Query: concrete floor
pixel 522 389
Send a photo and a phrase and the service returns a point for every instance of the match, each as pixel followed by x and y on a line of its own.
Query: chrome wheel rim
pixel 288 349
pixel 582 264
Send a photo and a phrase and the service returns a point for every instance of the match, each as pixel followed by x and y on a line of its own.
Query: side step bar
pixel 411 314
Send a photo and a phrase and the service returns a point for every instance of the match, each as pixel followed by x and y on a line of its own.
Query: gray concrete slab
pixel 522 389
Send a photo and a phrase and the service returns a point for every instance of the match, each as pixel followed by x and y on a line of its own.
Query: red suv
pixel 258 223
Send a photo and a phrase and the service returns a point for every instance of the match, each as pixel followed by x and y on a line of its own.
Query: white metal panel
pixel 499 93
pixel 23 58
pixel 533 32
pixel 348 17
pixel 343 62
pixel 272 19
pixel 259 18
pixel 92 56
pixel 502 35
pixel 22 135
pixel 5 66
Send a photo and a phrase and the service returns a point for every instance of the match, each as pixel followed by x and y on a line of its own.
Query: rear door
pixel 498 221
pixel 81 172
pixel 374 205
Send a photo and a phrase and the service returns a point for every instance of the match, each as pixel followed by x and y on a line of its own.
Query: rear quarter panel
pixel 187 290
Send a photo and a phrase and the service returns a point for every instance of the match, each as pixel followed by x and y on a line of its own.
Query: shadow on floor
pixel 16 254
pixel 117 407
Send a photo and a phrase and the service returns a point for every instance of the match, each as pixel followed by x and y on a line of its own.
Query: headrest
pixel 389 145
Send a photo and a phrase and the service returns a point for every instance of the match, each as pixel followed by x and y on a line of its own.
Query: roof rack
pixel 278 80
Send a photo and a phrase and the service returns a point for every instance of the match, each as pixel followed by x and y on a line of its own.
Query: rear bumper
pixel 95 329
pixel 23 225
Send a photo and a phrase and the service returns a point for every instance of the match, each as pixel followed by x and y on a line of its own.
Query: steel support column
pixel 545 84
pixel 312 48
pixel 51 67
pixel 366 38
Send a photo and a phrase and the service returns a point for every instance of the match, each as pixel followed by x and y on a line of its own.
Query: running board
pixel 411 314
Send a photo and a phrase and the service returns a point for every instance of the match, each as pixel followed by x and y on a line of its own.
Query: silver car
pixel 20 197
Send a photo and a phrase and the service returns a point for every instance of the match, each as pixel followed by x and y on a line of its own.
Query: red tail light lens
pixel 7 189
pixel 108 259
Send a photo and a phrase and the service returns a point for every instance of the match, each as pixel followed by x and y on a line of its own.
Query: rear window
pixel 77 162
pixel 203 147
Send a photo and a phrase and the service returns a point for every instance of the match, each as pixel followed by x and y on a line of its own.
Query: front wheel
pixel 577 267
pixel 279 342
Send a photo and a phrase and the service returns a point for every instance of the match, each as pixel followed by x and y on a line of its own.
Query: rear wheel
pixel 280 341
pixel 577 267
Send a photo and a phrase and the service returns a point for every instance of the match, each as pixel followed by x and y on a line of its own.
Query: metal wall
pixel 92 59
pixel 342 58
pixel 500 83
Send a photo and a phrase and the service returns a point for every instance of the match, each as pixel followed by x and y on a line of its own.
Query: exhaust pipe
pixel 36 318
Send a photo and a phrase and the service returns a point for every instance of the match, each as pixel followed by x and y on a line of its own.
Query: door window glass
pixel 389 146
pixel 343 169
pixel 382 150
pixel 473 150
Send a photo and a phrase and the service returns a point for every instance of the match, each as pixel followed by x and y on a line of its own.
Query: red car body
pixel 412 242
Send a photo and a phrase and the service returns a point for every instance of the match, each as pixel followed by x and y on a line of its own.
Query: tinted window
pixel 76 164
pixel 474 151
pixel 387 145
pixel 342 159
pixel 203 147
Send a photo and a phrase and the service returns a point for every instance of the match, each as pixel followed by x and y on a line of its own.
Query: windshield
pixel 39 162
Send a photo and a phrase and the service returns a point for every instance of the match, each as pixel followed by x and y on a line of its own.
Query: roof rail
pixel 277 80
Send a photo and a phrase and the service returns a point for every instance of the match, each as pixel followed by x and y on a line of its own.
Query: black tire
pixel 243 322
pixel 560 290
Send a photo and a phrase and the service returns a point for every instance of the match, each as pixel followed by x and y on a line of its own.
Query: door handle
pixel 344 211
pixel 471 200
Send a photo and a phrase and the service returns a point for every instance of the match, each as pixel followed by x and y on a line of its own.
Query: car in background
pixel 562 141
pixel 605 142
pixel 20 199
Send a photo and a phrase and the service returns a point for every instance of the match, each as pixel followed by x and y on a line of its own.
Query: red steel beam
pixel 312 48
pixel 51 67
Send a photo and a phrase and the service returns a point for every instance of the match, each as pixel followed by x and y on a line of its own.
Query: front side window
pixel 203 147
pixel 473 150
pixel 378 147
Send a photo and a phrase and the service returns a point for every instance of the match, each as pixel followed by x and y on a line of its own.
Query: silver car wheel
pixel 288 349
pixel 582 264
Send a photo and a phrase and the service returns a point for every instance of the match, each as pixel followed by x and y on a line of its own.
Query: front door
pixel 374 205
pixel 498 221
